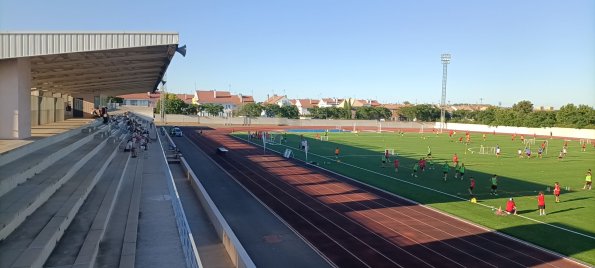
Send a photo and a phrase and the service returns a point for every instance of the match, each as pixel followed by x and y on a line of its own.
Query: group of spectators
pixel 101 112
pixel 139 134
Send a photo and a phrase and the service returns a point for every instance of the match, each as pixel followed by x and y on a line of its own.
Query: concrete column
pixel 15 103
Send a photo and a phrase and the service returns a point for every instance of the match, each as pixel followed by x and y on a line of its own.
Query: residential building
pixel 329 102
pixel 304 104
pixel 395 110
pixel 278 100
pixel 230 102
pixel 140 99
pixel 150 99
pixel 359 103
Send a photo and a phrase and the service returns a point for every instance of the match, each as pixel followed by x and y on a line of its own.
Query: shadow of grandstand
pixel 522 254
pixel 428 188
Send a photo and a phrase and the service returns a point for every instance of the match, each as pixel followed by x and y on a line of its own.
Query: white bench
pixel 222 151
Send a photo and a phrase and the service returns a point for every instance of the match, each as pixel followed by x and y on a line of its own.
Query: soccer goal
pixel 487 150
pixel 324 138
pixel 529 142
pixel 390 151
pixel 585 141
pixel 272 138
pixel 421 130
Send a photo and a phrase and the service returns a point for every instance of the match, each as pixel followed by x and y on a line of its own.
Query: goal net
pixel 324 138
pixel 273 138
pixel 390 151
pixel 585 141
pixel 529 142
pixel 487 150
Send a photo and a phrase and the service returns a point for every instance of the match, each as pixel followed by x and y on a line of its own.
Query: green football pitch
pixel 567 228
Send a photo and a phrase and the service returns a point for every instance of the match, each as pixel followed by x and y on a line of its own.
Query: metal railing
pixel 188 246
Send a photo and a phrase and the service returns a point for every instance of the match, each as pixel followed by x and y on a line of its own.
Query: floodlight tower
pixel 163 97
pixel 445 61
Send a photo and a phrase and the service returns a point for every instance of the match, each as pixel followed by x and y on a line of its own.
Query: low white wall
pixel 546 131
pixel 345 124
pixel 236 251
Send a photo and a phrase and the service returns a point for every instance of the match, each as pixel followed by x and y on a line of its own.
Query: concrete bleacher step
pixel 19 170
pixel 31 244
pixel 19 152
pixel 118 246
pixel 80 242
pixel 24 199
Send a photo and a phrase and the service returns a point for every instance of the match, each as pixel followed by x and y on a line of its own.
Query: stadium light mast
pixel 445 61
pixel 163 97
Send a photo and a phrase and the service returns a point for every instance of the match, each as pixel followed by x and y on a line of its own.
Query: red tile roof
pixel 274 99
pixel 140 96
pixel 187 98
pixel 213 96
pixel 308 103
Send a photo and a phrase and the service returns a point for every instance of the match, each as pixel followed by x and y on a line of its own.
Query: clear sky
pixel 502 51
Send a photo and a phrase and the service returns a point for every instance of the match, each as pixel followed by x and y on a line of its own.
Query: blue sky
pixel 502 51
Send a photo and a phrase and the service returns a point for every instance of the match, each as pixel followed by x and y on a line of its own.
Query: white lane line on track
pixel 441 212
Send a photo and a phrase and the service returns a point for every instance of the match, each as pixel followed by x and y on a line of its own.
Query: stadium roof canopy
pixel 111 63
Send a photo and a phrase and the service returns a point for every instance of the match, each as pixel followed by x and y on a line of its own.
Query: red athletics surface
pixel 354 225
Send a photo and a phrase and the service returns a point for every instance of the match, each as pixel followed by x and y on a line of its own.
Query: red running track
pixel 354 225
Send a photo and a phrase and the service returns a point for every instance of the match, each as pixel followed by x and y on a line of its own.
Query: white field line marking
pixel 453 196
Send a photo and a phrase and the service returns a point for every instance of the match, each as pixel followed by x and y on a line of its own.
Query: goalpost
pixel 421 130
pixel 487 150
pixel 546 145
pixel 272 138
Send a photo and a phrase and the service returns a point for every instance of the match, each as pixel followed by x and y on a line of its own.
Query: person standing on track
pixel 462 171
pixel 337 152
pixel 541 204
pixel 557 192
pixel 494 182
pixel 415 168
pixel 445 170
pixel 396 165
pixel 588 179
pixel 471 185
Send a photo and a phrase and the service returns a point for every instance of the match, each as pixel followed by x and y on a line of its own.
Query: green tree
pixel 586 116
pixel 250 110
pixel 318 112
pixel 191 109
pixel 173 105
pixel 524 107
pixel 115 99
pixel 408 112
pixel 383 112
pixel 567 116
pixel 487 116
pixel 290 112
pixel 271 110
pixel 213 109
pixel 507 117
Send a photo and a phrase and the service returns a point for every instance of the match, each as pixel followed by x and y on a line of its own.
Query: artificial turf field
pixel 567 228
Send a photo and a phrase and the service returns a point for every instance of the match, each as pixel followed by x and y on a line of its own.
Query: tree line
pixel 520 114
pixel 174 105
